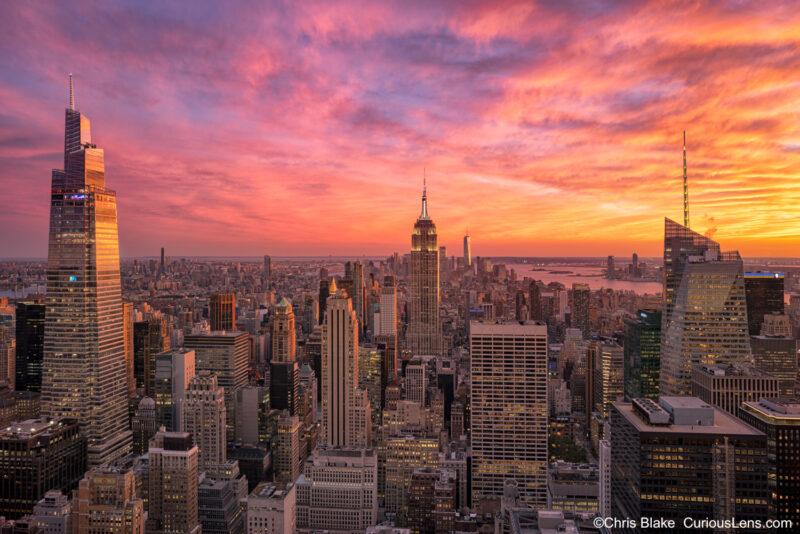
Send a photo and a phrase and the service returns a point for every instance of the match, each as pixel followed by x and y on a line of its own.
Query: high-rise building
pixel 150 337
pixel 431 501
pixel 106 501
pixel 345 408
pixel 267 266
pixel 36 456
pixel 509 409
pixel 30 345
pixel 225 354
pixel 679 244
pixel 779 419
pixel 467 251
pixel 163 267
pixel 84 347
pixel 337 491
pixel 681 451
pixel 354 272
pixel 764 292
pixel 252 406
pixel 728 386
pixel 403 455
pixel 608 375
pixel 386 330
pixel 416 382
pixel 324 293
pixel 642 348
pixel 777 355
pixel 370 362
pixel 286 453
pixel 8 346
pixel 222 312
pixel 573 487
pixel 173 484
pixel 203 418
pixel 271 510
pixel 144 425
pixel 174 371
pixel 424 335
pixel 218 507
pixel 611 270
pixel 581 299
pixel 535 312
pixel 53 514
pixel 284 337
pixel 708 323
pixel 127 334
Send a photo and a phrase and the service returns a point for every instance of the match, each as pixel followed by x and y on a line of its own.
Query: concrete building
pixel 337 491
pixel 728 386
pixel 271 510
pixel 53 514
pixel 174 370
pixel 204 418
pixel 106 501
pixel 573 487
pixel 173 484
pixel 222 312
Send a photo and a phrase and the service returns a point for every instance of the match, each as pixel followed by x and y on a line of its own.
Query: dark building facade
pixel 764 294
pixel 779 419
pixel 30 345
pixel 642 348
pixel 38 455
pixel 684 455
pixel 283 386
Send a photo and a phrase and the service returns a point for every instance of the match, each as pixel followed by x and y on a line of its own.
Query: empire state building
pixel 84 359
pixel 424 336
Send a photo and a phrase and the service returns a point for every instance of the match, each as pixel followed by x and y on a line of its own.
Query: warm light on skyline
pixel 303 128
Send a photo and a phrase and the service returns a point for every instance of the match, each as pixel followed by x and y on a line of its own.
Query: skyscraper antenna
pixel 424 195
pixel 71 94
pixel 685 186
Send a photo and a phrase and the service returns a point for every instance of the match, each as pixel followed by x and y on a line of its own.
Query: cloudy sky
pixel 547 128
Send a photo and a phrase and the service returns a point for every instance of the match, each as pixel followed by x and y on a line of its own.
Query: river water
pixel 588 275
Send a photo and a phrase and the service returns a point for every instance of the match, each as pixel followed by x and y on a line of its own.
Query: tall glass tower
pixel 84 351
pixel 424 334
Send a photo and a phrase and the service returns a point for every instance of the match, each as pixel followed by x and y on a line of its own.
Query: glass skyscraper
pixel 84 355
pixel 642 354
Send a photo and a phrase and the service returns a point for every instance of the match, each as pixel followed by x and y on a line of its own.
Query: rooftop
pixel 723 423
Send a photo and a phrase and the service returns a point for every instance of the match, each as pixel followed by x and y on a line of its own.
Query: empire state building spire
pixel 424 215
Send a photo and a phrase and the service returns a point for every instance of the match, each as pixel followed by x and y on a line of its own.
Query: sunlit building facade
pixel 84 348
pixel 509 409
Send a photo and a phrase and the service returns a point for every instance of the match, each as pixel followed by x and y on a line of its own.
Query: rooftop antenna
pixel 424 195
pixel 71 94
pixel 685 186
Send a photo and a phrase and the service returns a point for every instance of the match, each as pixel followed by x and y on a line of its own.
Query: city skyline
pixel 314 119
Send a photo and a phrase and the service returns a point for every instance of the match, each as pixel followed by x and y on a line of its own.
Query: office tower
pixel 144 425
pixel 680 243
pixel 345 408
pixel 127 334
pixel 467 252
pixel 203 417
pixel 608 375
pixel 404 454
pixel 173 484
pixel 424 335
pixel 635 266
pixel 324 293
pixel 779 419
pixel 7 357
pixel 163 267
pixel 222 312
pixel 267 266
pixel 150 337
pixel 728 386
pixel 283 333
pixel 535 312
pixel 271 510
pixel 777 355
pixel 84 354
pixel 386 330
pixel 174 370
pixel 579 318
pixel 337 490
pixel 443 263
pixel 286 453
pixel 721 469
pixel 370 362
pixel 416 381
pixel 764 293
pixel 573 487
pixel 354 272
pixel 53 514
pixel 642 348
pixel 106 501
pixel 708 324
pixel 427 489
pixel 509 409
pixel 456 461
pixel 218 507
pixel 309 390
pixel 225 354
pixel 30 345
pixel 610 268
pixel 36 456
pixel 252 405
pixel 284 386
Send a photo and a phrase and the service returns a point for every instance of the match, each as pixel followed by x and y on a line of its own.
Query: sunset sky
pixel 303 128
